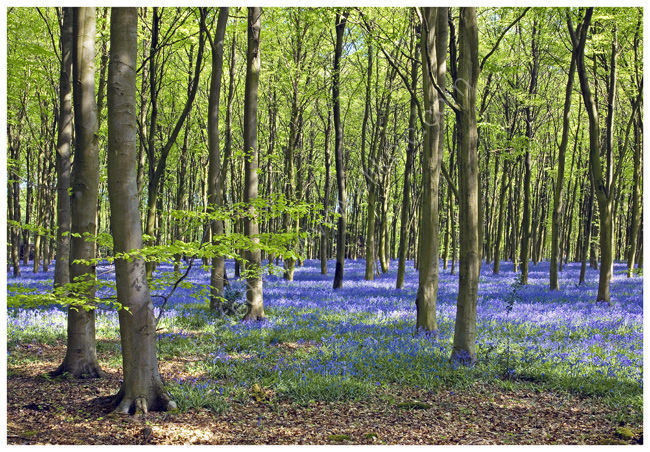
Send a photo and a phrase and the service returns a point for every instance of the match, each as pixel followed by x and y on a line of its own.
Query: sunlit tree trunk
pixel 464 349
pixel 429 247
pixel 81 357
pixel 254 302
pixel 142 388
pixel 603 183
pixel 63 153
pixel 559 182
pixel 405 219
pixel 215 173
pixel 341 19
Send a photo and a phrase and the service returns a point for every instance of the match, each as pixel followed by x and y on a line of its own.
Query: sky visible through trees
pixel 328 206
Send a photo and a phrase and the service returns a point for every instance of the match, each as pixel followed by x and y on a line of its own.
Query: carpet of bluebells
pixel 346 343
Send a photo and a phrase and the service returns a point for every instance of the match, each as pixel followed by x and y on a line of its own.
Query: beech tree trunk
pixel 405 219
pixel 215 173
pixel 324 233
pixel 464 348
pixel 142 389
pixel 603 183
pixel 254 301
pixel 559 181
pixel 63 161
pixel 81 358
pixel 429 243
pixel 341 19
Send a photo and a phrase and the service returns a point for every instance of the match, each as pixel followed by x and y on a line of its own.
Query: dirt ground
pixel 41 410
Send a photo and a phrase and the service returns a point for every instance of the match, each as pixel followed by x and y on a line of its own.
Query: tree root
pixel 81 370
pixel 158 401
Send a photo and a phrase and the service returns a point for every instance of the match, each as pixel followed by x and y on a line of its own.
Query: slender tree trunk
pixel 81 357
pixel 636 200
pixel 63 153
pixel 142 388
pixel 215 174
pixel 326 198
pixel 559 182
pixel 464 349
pixel 497 241
pixel 406 192
pixel 341 19
pixel 254 302
pixel 586 236
pixel 603 183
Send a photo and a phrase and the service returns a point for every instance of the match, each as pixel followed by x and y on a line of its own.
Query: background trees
pixel 353 73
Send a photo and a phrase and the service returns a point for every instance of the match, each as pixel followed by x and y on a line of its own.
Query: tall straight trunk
pixel 405 219
pixel 429 247
pixel 341 19
pixel 81 357
pixel 324 233
pixel 464 348
pixel 370 177
pixel 63 153
pixel 254 301
pixel 497 240
pixel 14 211
pixel 636 198
pixel 586 235
pixel 28 205
pixel 526 220
pixel 215 175
pixel 603 183
pixel 142 388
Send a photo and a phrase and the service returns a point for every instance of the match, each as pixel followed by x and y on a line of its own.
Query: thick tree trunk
pixel 215 174
pixel 429 247
pixel 254 301
pixel 338 153
pixel 464 349
pixel 142 388
pixel 63 154
pixel 81 357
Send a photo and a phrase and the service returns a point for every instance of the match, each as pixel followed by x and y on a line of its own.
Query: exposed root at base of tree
pixel 126 403
pixel 82 370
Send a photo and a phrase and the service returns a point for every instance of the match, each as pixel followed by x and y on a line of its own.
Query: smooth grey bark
pixel 464 348
pixel 405 219
pixel 603 183
pixel 370 177
pixel 526 231
pixel 427 293
pixel 63 153
pixel 254 301
pixel 559 182
pixel 324 234
pixel 142 389
pixel 215 174
pixel 341 20
pixel 636 199
pixel 81 358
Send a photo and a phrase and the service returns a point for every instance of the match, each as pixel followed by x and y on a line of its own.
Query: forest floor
pixel 60 411
pixel 348 373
